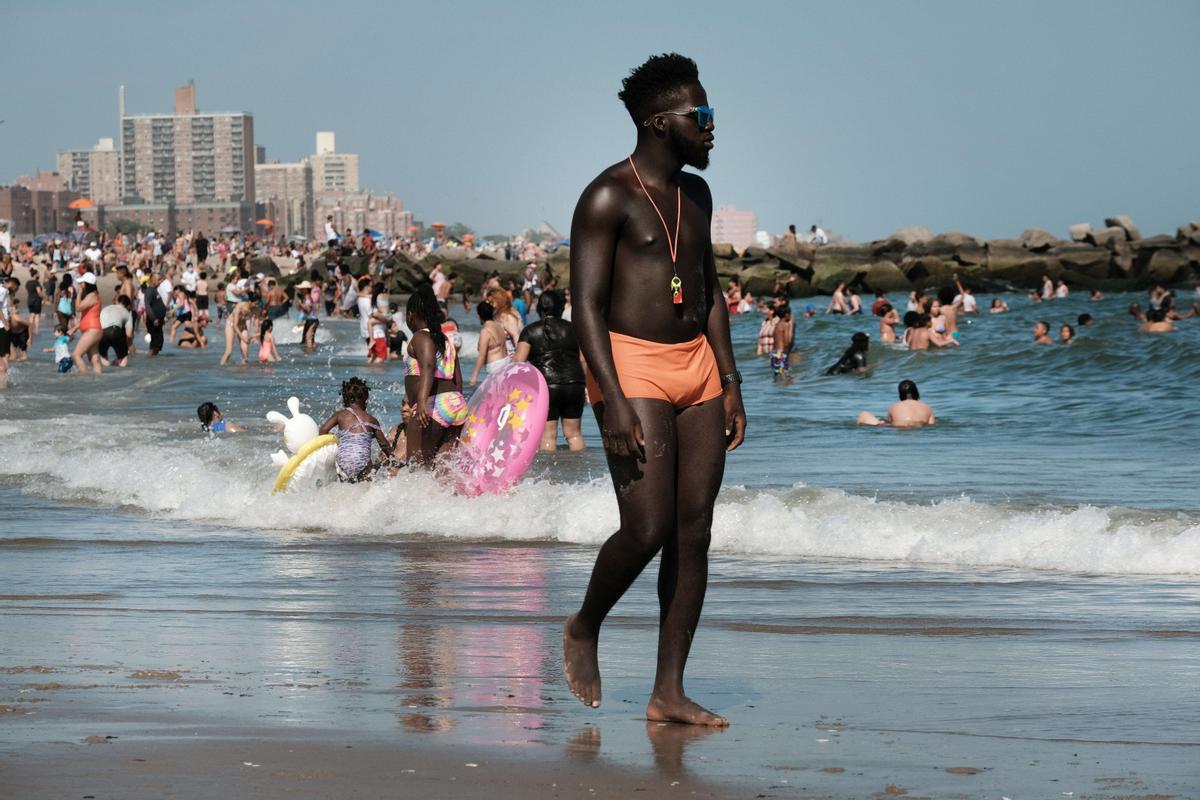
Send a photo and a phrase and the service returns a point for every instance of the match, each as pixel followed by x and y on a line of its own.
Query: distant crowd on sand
pixel 930 321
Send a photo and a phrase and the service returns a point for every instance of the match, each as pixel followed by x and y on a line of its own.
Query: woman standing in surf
pixel 432 381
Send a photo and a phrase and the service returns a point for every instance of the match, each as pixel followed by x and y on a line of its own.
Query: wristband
pixel 731 377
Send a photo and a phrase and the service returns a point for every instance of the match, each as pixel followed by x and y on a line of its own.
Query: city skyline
pixel 986 118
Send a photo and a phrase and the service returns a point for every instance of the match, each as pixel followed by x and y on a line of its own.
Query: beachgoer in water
pixel 889 318
pixel 916 330
pixel 781 350
pixel 1084 319
pixel 855 357
pixel 1066 334
pixel 237 329
pixel 308 298
pixel 1047 288
pixel 1157 295
pixel 837 301
pixel 381 320
pixel 1136 312
pixel 909 412
pixel 880 301
pixel 1096 295
pixel 939 326
pixel 550 345
pixel 116 326
pixel 1041 333
pixel 855 303
pixel 356 430
pixel 266 343
pixel 998 306
pixel 1061 291
pixel 914 304
pixel 766 331
pixel 212 421
pixel 964 299
pixel 88 308
pixel 1034 297
pixel 654 329
pixel 432 382
pixel 61 349
pixel 7 287
pixel 496 347
pixel 1157 322
pixel 733 296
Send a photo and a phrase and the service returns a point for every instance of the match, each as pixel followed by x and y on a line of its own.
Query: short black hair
pixel 206 412
pixel 860 339
pixel 1084 319
pixel 908 391
pixel 651 87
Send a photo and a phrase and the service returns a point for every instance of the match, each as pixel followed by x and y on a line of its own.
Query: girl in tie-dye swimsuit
pixel 432 382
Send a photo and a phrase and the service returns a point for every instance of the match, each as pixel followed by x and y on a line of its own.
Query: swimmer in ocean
pixel 855 357
pixel 916 330
pixel 1084 319
pixel 1041 333
pixel 1157 322
pixel 909 412
pixel 1066 334
pixel 998 306
pixel 782 340
pixel 212 421
pixel 889 318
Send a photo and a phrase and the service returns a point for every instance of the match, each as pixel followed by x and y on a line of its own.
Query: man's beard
pixel 692 153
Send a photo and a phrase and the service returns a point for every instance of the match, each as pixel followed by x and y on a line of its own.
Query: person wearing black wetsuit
pixel 855 357
pixel 550 345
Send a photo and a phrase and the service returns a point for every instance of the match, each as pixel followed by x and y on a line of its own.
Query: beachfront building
pixel 38 204
pixel 95 173
pixel 332 171
pixel 201 164
pixel 361 211
pixel 731 226
pixel 283 193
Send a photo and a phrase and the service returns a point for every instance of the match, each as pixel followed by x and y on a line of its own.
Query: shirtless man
pixel 781 352
pixel 917 332
pixel 1041 333
pixel 910 412
pixel 666 391
pixel 837 303
pixel 1157 322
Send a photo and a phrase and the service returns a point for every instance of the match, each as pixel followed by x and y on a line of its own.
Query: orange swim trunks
pixel 682 374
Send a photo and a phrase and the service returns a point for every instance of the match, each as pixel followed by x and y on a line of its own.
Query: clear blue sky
pixel 979 117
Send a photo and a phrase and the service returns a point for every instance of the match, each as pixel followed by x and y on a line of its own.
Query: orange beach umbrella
pixel 270 223
pixel 82 202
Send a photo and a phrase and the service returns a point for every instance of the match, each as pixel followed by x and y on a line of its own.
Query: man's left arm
pixel 716 330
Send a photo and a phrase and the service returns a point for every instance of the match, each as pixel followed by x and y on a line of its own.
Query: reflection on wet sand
pixel 496 669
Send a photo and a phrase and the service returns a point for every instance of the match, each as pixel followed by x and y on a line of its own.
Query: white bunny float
pixel 313 455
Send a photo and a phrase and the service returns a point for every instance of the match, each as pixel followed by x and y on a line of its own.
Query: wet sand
pixel 135 666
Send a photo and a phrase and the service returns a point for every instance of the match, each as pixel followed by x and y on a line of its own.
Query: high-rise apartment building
pixel 190 158
pixel 361 211
pixel 94 174
pixel 731 226
pixel 332 171
pixel 284 194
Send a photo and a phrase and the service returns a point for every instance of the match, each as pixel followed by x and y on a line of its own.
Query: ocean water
pixel 1015 590
pixel 1073 458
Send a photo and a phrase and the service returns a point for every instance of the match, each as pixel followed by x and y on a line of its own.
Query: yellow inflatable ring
pixel 310 447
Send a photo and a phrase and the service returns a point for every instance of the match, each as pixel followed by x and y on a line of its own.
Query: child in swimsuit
pixel 212 421
pixel 356 430
pixel 432 382
pixel 266 343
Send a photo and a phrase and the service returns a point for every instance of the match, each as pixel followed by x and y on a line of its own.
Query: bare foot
pixel 581 665
pixel 683 710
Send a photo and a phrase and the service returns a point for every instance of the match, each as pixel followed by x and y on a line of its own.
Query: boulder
pixel 913 235
pixel 971 255
pixel 1166 267
pixel 1154 243
pixel 759 279
pixel 754 254
pixel 1107 236
pixel 1037 239
pixel 1091 262
pixel 1192 254
pixel 1079 232
pixel 1184 231
pixel 723 250
pixel 1122 261
pixel 264 264
pixel 800 255
pixel 928 272
pixel 1025 274
pixel 1002 253
pixel 887 276
pixel 1124 222
pixel 728 267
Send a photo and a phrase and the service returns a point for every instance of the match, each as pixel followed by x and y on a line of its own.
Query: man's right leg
pixel 646 500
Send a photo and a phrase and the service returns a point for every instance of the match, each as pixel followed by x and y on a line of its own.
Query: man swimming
pixel 654 331
pixel 909 412
pixel 1041 333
